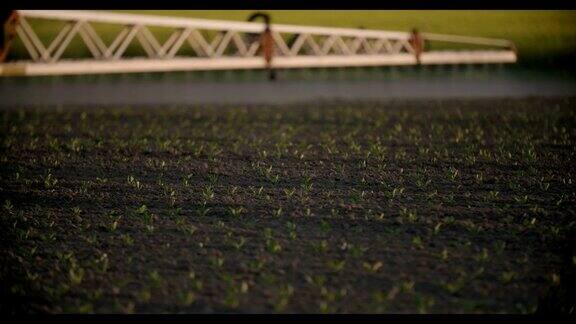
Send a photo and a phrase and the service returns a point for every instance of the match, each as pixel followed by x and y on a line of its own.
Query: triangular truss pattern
pixel 226 43
pixel 211 44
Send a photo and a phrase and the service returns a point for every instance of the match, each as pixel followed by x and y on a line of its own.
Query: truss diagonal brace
pixel 184 34
pixel 66 41
pixel 126 41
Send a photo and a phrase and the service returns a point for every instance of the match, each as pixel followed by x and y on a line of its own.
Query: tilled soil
pixel 456 206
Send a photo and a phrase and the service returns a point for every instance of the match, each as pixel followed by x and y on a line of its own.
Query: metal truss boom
pixel 226 45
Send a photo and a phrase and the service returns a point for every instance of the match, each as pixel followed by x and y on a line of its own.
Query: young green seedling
pixel 372 267
pixel 236 211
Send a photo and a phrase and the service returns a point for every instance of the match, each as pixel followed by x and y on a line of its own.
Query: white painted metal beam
pixel 230 63
pixel 468 57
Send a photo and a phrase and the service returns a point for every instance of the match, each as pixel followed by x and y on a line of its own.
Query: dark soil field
pixel 457 206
